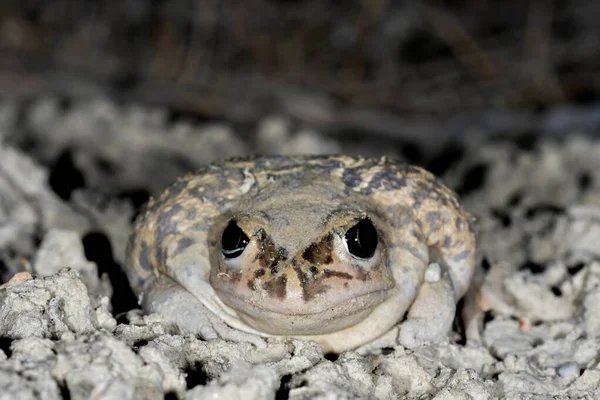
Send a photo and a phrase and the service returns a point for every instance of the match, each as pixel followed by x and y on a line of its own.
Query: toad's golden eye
pixel 361 240
pixel 233 241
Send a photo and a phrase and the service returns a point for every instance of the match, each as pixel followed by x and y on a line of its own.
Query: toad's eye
pixel 233 241
pixel 361 240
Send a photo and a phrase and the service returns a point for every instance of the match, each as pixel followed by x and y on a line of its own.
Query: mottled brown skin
pixel 294 279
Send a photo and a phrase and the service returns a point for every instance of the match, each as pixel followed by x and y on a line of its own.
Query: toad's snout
pixel 298 297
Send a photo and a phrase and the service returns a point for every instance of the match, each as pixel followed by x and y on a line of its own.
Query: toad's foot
pixel 178 306
pixel 430 317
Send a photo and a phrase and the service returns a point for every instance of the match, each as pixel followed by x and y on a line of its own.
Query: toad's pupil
pixel 361 239
pixel 233 241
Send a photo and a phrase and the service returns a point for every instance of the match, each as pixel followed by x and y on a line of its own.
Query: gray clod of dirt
pixel 27 202
pixel 242 381
pixel 111 216
pixel 29 207
pixel 100 366
pixel 580 231
pixel 62 248
pixel 537 215
pixel 135 143
pixel 28 373
pixel 275 136
pixel 50 307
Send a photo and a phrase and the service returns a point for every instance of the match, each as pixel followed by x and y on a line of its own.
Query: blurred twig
pixel 537 46
pixel 449 29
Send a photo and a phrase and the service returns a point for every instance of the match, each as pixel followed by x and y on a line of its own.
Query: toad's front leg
pixel 430 316
pixel 180 307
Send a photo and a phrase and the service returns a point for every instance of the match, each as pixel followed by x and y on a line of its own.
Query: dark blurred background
pixel 114 99
pixel 321 61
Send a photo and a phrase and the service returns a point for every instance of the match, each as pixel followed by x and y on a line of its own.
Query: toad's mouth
pixel 322 317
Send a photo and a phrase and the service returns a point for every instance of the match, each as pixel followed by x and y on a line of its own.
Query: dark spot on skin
pixel 434 220
pixel 149 209
pixel 211 192
pixel 320 164
pixel 471 227
pixel 418 197
pixel 351 177
pixel 331 273
pixel 140 282
pixel 161 256
pixel 310 287
pixel 302 277
pixel 292 179
pixel 320 253
pixel 313 290
pixel 447 241
pixel 461 256
pixel 183 244
pixel 385 180
pixel 176 189
pixel 283 253
pixel 276 287
pixel 197 192
pixel 345 285
pixel 362 275
pixel 417 205
pixel 234 276
pixel 331 164
pixel 191 213
pixel 165 223
pixel 424 190
pixel 257 274
pixel 313 270
pixel 411 169
pixel 203 170
pixel 269 255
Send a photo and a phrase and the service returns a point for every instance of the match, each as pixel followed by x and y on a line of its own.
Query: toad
pixel 335 249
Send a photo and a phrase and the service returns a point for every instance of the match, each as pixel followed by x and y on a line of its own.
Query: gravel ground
pixel 72 176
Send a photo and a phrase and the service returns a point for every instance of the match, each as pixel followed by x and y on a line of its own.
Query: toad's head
pixel 308 260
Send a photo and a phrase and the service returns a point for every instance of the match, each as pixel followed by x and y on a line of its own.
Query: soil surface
pixel 73 175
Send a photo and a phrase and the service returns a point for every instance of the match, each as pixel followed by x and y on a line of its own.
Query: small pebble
pixel 433 273
pixel 569 370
